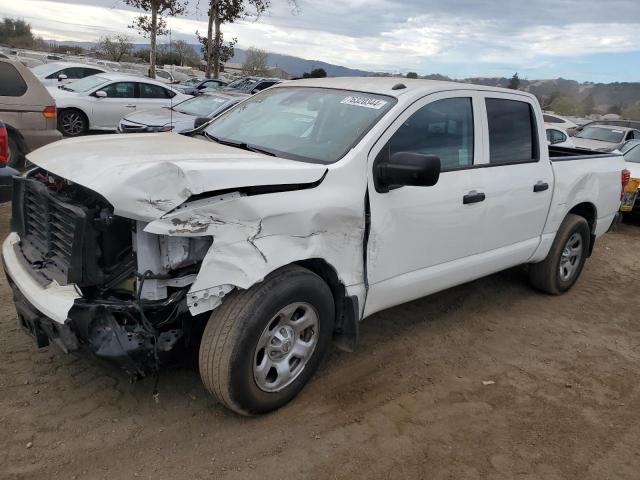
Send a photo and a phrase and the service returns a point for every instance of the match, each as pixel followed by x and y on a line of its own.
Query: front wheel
pixel 560 270
pixel 262 345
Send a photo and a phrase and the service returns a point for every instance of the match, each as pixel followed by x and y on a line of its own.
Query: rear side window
pixel 512 131
pixel 11 82
pixel 443 128
pixel 552 119
pixel 153 91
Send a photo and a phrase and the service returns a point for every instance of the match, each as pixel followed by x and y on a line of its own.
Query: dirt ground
pixel 410 403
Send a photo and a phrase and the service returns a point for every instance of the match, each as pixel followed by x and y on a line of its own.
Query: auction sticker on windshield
pixel 366 102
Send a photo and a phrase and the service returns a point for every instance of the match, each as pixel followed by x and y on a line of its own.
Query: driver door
pixel 420 236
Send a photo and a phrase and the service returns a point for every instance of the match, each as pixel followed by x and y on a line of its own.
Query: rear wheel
pixel 72 123
pixel 262 345
pixel 560 270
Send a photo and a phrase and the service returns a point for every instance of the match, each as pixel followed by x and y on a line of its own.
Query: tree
pixel 154 25
pixel 114 47
pixel 412 75
pixel 255 62
pixel 17 33
pixel 184 52
pixel 315 73
pixel 225 50
pixel 228 11
pixel 514 83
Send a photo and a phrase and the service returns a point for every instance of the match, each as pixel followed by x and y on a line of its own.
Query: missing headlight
pixel 180 252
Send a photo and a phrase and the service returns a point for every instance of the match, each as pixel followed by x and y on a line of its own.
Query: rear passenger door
pixel 518 178
pixel 153 96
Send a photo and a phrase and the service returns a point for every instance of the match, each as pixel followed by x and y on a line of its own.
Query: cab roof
pixel 392 86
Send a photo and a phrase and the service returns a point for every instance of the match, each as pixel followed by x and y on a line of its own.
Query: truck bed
pixel 559 154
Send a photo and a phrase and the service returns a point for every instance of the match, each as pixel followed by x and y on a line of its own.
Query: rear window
pixel 512 131
pixel 11 82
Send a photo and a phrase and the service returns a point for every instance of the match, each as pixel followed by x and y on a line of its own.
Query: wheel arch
pixel 589 212
pixel 347 311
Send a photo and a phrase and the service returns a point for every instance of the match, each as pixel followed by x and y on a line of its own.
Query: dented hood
pixel 146 175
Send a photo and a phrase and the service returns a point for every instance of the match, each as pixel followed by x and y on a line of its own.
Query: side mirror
pixel 62 77
pixel 407 169
pixel 200 121
pixel 101 94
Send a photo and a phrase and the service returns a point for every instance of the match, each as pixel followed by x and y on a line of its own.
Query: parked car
pixel 558 136
pixel 291 218
pixel 60 73
pixel 99 102
pixel 27 110
pixel 631 197
pixel 181 117
pixel 604 138
pixel 6 172
pixel 193 86
pixel 252 85
pixel 557 121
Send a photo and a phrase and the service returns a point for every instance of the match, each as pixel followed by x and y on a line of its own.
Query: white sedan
pixel 60 73
pixel 99 102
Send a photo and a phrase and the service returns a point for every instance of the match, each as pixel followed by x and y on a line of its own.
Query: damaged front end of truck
pixel 68 235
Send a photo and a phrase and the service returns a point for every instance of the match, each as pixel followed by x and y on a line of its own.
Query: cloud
pixel 386 34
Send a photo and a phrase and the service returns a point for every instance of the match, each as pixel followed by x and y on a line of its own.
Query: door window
pixel 512 131
pixel 555 136
pixel 11 82
pixel 443 128
pixel 148 90
pixel 120 90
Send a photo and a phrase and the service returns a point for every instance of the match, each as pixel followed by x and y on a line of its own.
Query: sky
pixel 585 40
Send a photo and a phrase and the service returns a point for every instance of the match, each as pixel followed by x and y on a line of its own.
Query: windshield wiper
pixel 243 145
pixel 64 87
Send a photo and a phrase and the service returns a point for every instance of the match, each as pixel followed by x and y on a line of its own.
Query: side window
pixel 11 82
pixel 512 131
pixel 555 136
pixel 262 85
pixel 148 90
pixel 90 71
pixel 74 73
pixel 120 90
pixel 443 128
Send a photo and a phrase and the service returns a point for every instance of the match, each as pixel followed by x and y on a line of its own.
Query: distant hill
pixel 295 66
pixel 590 97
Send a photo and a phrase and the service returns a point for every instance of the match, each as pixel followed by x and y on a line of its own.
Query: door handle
pixel 130 106
pixel 473 197
pixel 540 186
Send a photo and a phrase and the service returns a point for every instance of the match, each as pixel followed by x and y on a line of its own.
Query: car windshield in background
pixel 632 154
pixel 86 84
pixel 629 145
pixel 201 106
pixel 309 124
pixel 240 81
pixel 601 134
pixel 191 81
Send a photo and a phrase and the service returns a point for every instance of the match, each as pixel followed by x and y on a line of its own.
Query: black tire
pixel 72 122
pixel 16 155
pixel 547 275
pixel 229 345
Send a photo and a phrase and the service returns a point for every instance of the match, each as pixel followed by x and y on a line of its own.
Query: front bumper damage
pixel 134 335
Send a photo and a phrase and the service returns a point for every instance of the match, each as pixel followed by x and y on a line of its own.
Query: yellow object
pixel 629 195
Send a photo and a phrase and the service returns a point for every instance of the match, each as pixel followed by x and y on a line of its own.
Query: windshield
pixel 302 123
pixel 629 145
pixel 601 134
pixel 632 154
pixel 190 81
pixel 45 69
pixel 86 84
pixel 202 106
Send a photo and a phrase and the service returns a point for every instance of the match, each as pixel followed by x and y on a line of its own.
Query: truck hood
pixel 146 175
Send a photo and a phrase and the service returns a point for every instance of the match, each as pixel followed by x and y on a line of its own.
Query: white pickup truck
pixel 289 219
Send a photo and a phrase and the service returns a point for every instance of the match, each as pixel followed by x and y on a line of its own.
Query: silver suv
pixel 27 110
